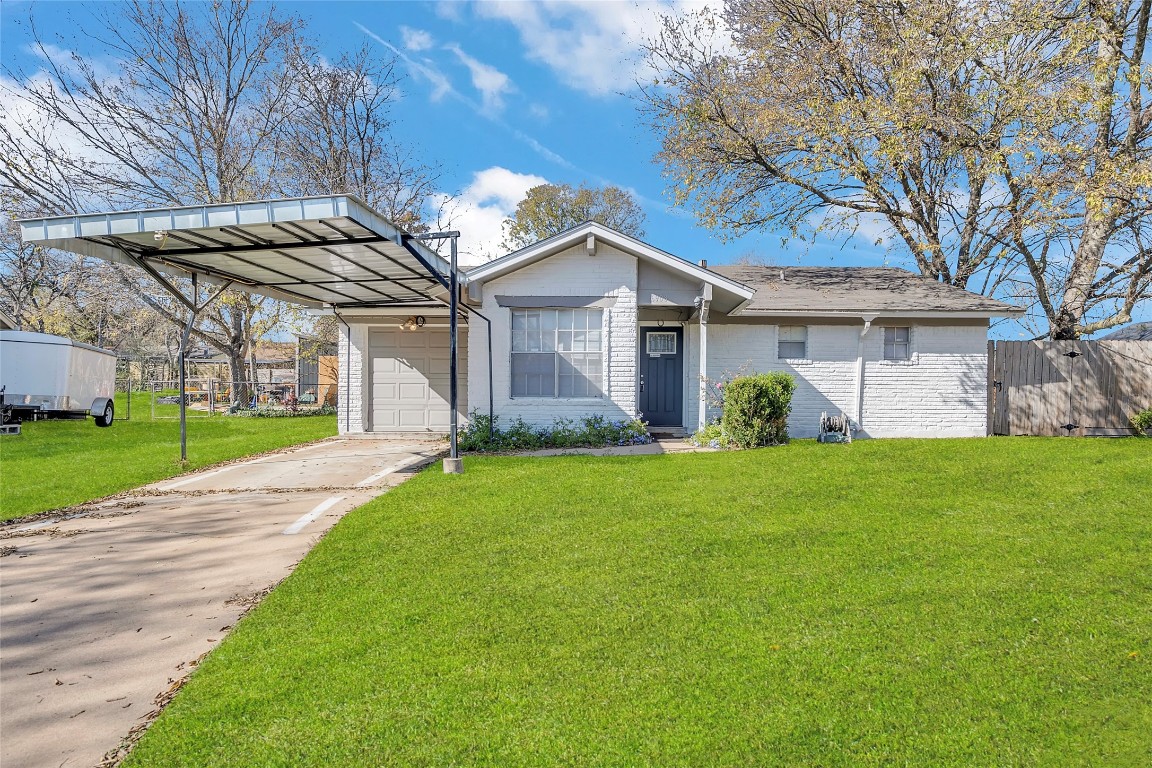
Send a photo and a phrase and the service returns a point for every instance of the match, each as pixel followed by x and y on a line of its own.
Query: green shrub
pixel 756 409
pixel 712 435
pixel 1142 422
pixel 285 413
pixel 484 434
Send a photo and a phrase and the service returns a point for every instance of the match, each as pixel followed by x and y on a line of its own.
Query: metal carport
pixel 329 251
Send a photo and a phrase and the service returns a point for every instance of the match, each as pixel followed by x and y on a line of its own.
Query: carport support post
pixel 184 374
pixel 453 464
pixel 195 309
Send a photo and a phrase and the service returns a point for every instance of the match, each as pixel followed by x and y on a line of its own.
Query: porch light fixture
pixel 413 322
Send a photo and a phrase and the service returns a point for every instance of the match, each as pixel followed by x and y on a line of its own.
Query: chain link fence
pixel 209 397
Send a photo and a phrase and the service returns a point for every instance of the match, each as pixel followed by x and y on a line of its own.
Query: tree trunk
pixel 237 369
pixel 1070 317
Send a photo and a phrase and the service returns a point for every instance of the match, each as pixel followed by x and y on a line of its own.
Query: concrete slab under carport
pixel 106 610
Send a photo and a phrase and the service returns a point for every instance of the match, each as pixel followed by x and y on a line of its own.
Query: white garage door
pixel 410 379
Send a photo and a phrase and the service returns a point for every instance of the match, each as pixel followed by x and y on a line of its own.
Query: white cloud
pixel 30 123
pixel 491 82
pixel 591 45
pixel 450 10
pixel 424 69
pixel 539 111
pixel 72 64
pixel 480 210
pixel 427 71
pixel 416 39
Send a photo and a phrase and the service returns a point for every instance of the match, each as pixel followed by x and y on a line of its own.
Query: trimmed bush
pixel 756 409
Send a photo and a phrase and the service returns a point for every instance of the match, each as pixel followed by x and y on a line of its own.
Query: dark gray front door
pixel 662 376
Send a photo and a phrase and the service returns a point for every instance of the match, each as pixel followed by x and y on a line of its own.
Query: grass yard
pixel 924 603
pixel 52 464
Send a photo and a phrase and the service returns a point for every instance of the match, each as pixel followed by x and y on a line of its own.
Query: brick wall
pixel 939 392
pixel 352 411
pixel 942 390
pixel 568 273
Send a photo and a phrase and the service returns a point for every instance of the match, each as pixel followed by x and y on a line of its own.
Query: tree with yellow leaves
pixel 1005 145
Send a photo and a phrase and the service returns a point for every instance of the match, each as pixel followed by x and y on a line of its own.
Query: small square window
pixel 793 342
pixel 897 343
pixel 661 343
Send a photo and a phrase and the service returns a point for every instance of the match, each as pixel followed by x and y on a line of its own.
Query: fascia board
pixel 544 248
pixel 962 314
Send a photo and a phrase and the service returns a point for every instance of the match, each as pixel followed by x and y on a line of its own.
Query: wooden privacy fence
pixel 1084 388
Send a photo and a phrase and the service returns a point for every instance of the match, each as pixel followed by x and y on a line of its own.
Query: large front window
pixel 557 353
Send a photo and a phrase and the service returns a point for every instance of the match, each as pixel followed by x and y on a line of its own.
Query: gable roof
pixel 856 291
pixel 1131 332
pixel 628 244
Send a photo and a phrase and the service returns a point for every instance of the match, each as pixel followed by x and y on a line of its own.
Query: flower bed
pixel 482 434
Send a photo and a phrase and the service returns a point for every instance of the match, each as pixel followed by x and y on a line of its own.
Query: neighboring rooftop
pixel 876 290
pixel 1131 332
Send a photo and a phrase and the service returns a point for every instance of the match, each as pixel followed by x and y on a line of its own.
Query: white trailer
pixel 44 376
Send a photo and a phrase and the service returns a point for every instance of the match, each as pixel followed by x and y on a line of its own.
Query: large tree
pixel 215 102
pixel 339 138
pixel 549 209
pixel 1005 145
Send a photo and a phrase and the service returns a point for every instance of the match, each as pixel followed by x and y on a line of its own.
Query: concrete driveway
pixel 103 613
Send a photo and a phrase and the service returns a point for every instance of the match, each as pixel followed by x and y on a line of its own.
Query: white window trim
pixel 913 355
pixel 796 361
pixel 605 375
pixel 648 333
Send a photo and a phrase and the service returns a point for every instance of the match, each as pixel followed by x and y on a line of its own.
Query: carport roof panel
pixel 332 250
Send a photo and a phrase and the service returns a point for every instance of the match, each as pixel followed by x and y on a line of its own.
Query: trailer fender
pixel 102 411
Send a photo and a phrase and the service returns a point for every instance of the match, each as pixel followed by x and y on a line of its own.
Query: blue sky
pixel 506 95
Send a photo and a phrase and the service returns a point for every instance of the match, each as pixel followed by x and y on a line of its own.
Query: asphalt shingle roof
pixel 853 289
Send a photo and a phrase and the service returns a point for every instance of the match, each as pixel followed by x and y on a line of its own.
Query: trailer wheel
pixel 104 419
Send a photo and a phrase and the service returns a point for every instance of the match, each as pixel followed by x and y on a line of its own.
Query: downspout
pixel 860 370
pixel 704 302
pixel 347 375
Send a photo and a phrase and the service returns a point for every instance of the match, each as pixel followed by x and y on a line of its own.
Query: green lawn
pixel 922 603
pixel 52 464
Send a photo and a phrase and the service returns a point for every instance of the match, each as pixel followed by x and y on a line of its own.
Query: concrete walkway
pixel 103 613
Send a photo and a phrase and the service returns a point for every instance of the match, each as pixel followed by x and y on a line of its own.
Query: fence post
pixel 990 410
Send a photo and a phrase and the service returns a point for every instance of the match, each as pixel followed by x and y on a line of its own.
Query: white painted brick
pixel 351 412
pixel 568 273
pixel 941 392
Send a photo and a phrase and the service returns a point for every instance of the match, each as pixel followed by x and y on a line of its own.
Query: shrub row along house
pixel 592 321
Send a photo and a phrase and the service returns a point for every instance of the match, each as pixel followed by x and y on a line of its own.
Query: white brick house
pixel 592 321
